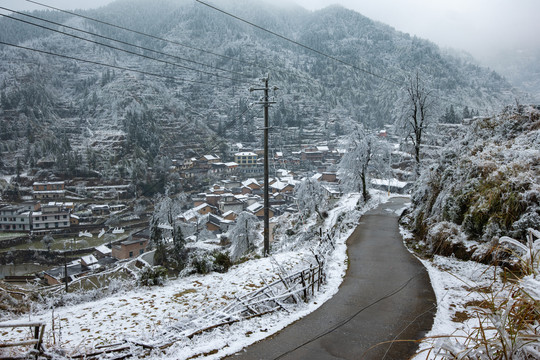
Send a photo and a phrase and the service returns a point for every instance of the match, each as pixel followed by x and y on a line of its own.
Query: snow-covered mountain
pixel 90 117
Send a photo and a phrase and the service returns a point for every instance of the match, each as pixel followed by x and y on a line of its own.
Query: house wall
pixel 212 227
pixel 50 280
pixel 245 159
pixel 127 251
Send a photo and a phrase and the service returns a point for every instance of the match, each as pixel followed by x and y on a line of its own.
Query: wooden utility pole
pixel 266 104
pixel 66 277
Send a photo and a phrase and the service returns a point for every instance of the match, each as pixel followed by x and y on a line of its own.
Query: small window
pixel 131 254
pixel 141 251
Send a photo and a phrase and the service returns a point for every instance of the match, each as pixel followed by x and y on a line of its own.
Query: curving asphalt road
pixel 386 296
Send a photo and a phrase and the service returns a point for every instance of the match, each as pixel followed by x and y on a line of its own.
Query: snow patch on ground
pixel 146 313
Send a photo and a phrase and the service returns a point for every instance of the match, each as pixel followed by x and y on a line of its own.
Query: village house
pixel 90 261
pixel 246 159
pixel 58 275
pixel 217 224
pixel 281 187
pixel 257 209
pixel 52 216
pixel 311 154
pixel 192 215
pixel 129 248
pixel 231 183
pixel 229 215
pixel 230 202
pixel 102 251
pixel 100 209
pixel 15 218
pixel 74 220
pixel 330 177
pixel 48 190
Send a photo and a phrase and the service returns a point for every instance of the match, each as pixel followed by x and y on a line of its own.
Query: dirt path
pixel 386 296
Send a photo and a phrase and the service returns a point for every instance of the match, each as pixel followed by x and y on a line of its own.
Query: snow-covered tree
pixel 47 241
pixel 244 234
pixel 311 197
pixel 366 152
pixel 156 240
pixel 417 115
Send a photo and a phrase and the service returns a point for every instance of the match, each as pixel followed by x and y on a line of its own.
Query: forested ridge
pixel 120 123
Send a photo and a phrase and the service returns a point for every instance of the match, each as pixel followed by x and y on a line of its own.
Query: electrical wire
pixel 120 49
pixel 173 78
pixel 302 45
pixel 123 42
pixel 392 81
pixel 276 67
pixel 146 35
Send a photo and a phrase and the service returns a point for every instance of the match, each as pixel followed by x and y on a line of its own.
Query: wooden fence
pixel 37 341
pixel 280 294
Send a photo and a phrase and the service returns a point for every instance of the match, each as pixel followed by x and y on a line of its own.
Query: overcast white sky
pixel 481 27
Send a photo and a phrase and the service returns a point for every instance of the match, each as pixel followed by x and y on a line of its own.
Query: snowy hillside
pixel 485 186
pixel 78 324
pixel 92 117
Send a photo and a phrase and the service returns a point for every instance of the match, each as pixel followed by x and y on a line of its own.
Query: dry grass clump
pixel 508 325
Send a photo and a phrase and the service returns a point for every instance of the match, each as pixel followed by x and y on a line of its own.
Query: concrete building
pixel 129 248
pixel 49 190
pixel 52 216
pixel 245 159
pixel 15 218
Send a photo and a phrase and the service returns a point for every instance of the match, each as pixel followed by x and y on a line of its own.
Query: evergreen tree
pixel 156 240
pixel 179 247
pixel 466 113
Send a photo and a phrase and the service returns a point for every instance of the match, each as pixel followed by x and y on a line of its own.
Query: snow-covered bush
pixel 152 276
pixel 311 197
pixel 244 235
pixel 484 183
pixel 509 320
pixel 441 235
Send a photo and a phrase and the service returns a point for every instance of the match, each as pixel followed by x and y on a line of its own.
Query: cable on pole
pixel 120 41
pixel 122 50
pixel 173 78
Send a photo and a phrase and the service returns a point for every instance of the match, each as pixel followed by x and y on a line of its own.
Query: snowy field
pixel 147 314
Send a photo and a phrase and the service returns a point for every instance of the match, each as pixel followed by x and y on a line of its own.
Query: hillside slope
pixel 120 123
pixel 485 186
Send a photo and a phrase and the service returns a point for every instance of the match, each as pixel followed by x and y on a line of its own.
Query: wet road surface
pixel 386 296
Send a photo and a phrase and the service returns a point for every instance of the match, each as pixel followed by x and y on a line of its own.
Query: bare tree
pixel 417 117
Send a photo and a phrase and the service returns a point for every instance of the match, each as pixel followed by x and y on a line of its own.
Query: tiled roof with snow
pixel 103 249
pixel 255 207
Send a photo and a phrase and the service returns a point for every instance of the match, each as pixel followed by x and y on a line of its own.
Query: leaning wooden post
pixel 312 271
pixel 304 285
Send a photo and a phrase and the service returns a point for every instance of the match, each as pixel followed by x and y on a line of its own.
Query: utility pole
pixel 265 102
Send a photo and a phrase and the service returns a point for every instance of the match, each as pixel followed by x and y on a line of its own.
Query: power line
pixel 144 34
pixel 176 79
pixel 121 42
pixel 398 83
pixel 348 319
pixel 302 45
pixel 252 64
pixel 120 49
